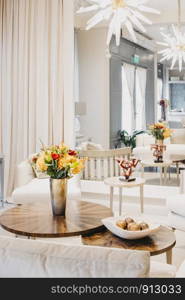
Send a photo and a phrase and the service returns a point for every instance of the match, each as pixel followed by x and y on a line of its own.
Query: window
pixel 133 98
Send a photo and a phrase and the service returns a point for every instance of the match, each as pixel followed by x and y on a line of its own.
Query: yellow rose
pixel 40 164
pixel 167 133
pixel 62 163
pixel 63 148
pixel 79 167
pixel 76 170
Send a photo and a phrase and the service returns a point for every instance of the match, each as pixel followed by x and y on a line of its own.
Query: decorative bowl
pixel 110 224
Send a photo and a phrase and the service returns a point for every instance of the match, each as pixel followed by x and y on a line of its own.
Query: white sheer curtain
pixel 159 96
pixel 76 68
pixel 140 117
pixel 36 77
pixel 128 74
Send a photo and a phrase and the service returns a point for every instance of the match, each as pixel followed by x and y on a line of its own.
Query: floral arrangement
pixel 58 161
pixel 160 131
pixel 164 102
pixel 127 166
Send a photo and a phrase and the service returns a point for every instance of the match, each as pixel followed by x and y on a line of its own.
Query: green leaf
pixel 63 173
pixel 129 140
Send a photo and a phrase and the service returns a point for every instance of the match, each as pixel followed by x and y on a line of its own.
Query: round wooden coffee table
pixel 162 241
pixel 36 220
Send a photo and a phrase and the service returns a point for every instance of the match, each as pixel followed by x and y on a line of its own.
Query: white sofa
pixel 34 258
pixel 175 146
pixel 176 206
pixel 29 189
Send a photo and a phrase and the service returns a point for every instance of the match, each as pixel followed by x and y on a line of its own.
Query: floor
pixel 155 207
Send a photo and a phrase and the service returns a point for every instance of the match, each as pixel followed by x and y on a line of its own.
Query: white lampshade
pixel 80 108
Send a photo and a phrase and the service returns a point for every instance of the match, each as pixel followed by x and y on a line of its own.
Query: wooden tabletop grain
pixel 157 243
pixel 36 220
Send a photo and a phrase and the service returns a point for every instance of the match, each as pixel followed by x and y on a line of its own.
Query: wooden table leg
pixel 111 197
pixel 169 257
pixel 161 175
pixel 120 201
pixel 141 198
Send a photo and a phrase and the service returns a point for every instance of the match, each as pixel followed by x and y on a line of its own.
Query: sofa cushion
pixel 173 152
pixel 176 204
pixel 89 146
pixel 161 270
pixel 181 271
pixel 28 258
pixel 178 136
pixel 144 139
pixel 38 190
pixel 176 151
pixel 176 221
pixel 24 174
pixel 143 153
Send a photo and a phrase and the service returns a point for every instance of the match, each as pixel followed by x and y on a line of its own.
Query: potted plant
pixel 129 140
pixel 60 163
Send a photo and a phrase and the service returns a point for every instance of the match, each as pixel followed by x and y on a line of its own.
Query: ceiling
pixel 168 9
pixel 162 22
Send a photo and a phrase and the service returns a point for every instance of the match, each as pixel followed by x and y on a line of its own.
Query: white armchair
pixel 176 205
pixel 175 149
pixel 29 189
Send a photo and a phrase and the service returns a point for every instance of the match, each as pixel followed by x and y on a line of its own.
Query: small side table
pixel 114 182
pixel 2 179
pixel 163 165
pixel 163 241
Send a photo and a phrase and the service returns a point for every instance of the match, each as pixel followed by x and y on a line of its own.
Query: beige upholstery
pixel 38 190
pixel 28 188
pixel 28 258
pixel 162 270
pixel 178 136
pixel 175 146
pixel 24 174
pixel 176 206
pixel 181 271
pixel 89 146
pixel 144 139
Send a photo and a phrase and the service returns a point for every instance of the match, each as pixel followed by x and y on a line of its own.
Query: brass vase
pixel 58 192
pixel 159 142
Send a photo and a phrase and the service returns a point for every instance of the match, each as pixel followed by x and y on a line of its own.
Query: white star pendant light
pixel 175 50
pixel 120 13
pixel 175 44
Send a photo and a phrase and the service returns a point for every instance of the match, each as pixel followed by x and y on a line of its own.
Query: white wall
pixel 94 84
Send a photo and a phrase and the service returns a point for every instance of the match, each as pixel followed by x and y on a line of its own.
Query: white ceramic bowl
pixel 110 224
